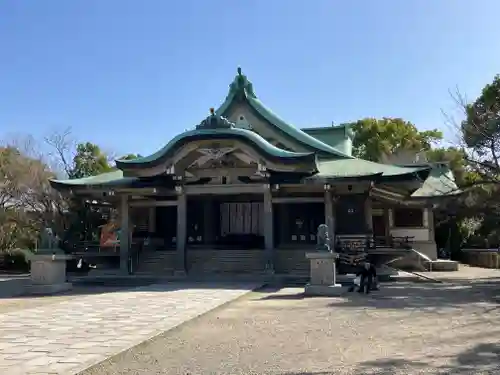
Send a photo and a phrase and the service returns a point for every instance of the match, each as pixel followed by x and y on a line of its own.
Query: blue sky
pixel 129 75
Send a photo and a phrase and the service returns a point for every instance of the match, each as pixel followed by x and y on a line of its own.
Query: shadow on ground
pixel 481 359
pixel 408 295
pixel 427 296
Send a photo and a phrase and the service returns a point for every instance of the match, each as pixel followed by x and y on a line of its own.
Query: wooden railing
pixel 352 249
pixel 355 249
pixel 393 242
pixel 401 242
pixel 92 247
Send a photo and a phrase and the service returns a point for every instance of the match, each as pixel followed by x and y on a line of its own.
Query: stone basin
pixel 48 273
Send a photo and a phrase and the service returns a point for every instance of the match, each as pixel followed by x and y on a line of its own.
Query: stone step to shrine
pixel 291 261
pixel 156 263
pixel 225 261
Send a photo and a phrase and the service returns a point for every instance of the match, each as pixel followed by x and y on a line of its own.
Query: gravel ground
pixel 406 328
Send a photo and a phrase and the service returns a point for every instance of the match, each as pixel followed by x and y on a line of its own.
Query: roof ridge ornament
pixel 241 86
pixel 215 121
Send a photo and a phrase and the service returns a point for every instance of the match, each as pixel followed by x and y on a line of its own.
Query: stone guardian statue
pixel 49 242
pixel 323 240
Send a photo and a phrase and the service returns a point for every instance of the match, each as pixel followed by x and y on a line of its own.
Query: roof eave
pixel 162 155
pixel 336 179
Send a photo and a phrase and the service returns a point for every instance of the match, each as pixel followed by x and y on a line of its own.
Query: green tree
pixel 130 157
pixel 27 203
pixel 481 132
pixel 478 209
pixel 89 160
pixel 376 137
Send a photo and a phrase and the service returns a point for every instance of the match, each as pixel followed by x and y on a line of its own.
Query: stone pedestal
pixel 48 273
pixel 323 275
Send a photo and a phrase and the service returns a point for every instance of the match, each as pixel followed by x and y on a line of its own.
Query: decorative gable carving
pixel 211 155
pixel 214 162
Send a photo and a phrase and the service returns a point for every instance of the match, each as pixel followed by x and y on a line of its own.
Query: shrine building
pixel 244 191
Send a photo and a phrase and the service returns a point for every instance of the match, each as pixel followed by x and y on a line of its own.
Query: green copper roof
pixel 209 129
pixel 440 182
pixel 114 178
pixel 242 89
pixel 339 137
pixel 340 131
pixel 363 168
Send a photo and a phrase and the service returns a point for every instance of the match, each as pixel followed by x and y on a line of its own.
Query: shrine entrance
pixel 242 224
pixel 225 234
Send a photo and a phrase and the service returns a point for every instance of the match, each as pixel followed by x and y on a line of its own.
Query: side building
pixel 244 192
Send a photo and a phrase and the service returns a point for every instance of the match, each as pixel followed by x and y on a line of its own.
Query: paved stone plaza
pixel 75 332
pixel 408 328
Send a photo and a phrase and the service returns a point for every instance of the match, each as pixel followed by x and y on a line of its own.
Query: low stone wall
pixel 443 265
pixel 486 258
pixel 13 286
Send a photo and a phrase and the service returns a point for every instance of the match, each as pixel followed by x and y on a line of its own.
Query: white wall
pixel 419 234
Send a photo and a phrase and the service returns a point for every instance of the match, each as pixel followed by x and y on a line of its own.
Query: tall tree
pixel 89 160
pixel 27 203
pixel 77 160
pixel 481 132
pixel 377 137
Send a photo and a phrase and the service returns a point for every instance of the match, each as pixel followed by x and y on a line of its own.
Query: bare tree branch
pixel 63 150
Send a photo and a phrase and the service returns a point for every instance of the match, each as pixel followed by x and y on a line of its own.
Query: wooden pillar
pixel 429 212
pixel 388 223
pixel 330 217
pixel 209 222
pixel 180 263
pixel 284 221
pixel 124 234
pixel 369 214
pixel 269 229
pixel 152 219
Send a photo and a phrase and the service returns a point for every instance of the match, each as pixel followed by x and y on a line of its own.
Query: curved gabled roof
pixel 114 178
pixel 242 89
pixel 355 168
pixel 221 133
pixel 440 182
